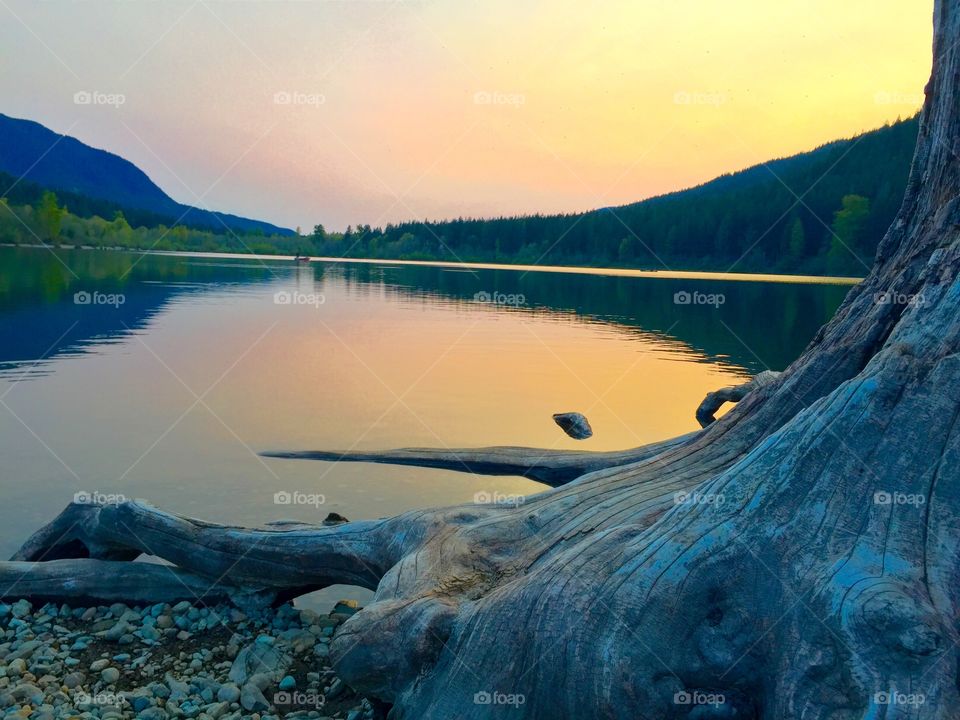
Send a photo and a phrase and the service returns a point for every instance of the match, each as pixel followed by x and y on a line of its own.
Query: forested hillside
pixel 819 212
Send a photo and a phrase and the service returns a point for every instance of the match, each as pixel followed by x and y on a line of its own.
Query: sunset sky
pixel 374 111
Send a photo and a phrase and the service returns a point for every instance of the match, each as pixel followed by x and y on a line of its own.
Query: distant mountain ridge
pixel 36 153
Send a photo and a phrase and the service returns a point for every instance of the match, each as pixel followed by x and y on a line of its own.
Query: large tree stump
pixel 796 559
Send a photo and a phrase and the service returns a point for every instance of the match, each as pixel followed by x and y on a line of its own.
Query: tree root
pixel 550 467
pixel 734 393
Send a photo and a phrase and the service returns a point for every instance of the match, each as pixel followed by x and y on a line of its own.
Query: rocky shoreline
pixel 182 661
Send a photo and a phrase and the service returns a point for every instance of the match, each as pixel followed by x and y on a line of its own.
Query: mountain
pixel 35 153
pixel 822 211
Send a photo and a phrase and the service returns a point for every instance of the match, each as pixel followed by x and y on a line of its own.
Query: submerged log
pixel 798 558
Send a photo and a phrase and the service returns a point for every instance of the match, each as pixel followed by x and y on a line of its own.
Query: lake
pixel 162 377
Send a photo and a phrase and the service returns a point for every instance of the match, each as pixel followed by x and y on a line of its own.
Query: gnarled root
pixel 733 393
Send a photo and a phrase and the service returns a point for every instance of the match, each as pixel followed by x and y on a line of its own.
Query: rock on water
pixel 574 424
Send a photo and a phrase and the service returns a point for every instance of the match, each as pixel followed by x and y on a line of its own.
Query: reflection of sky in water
pixel 170 396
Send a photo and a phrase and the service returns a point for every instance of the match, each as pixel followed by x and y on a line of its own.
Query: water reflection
pixel 758 325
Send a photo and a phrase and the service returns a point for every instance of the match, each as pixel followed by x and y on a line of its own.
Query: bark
pixel 734 393
pixel 797 558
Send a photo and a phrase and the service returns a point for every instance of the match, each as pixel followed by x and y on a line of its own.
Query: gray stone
pixel 21 608
pixel 153 714
pixel 74 679
pixel 218 710
pixel 118 630
pixel 252 699
pixel 574 424
pixel 178 690
pixel 228 693
pixel 258 657
pixel 25 650
pixel 28 692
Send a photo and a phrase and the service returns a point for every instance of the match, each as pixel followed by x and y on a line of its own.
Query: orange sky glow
pixel 370 112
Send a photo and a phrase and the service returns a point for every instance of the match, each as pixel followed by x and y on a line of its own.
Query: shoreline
pixel 160 661
pixel 469 266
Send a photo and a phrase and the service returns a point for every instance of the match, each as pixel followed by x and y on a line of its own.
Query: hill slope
pixel 36 153
pixel 819 211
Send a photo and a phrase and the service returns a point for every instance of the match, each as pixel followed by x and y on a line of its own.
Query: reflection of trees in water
pixel 39 318
pixel 758 326
pixel 774 320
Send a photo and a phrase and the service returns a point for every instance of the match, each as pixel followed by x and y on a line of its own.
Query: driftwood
pixel 798 558
pixel 734 393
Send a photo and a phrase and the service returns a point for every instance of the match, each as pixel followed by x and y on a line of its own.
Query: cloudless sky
pixel 361 111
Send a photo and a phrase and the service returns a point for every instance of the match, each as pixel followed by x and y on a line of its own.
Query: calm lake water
pixel 170 394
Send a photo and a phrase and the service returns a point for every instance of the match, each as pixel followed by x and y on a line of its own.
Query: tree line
pixel 822 212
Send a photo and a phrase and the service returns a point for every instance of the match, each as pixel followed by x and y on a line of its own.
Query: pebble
pixel 52 655
pixel 228 693
pixel 21 608
pixel 251 698
pixel 152 714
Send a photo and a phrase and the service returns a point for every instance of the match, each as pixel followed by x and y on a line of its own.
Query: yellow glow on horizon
pixel 629 99
pixel 581 104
